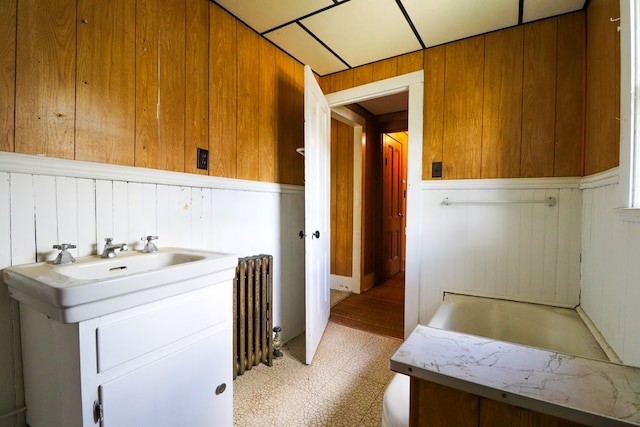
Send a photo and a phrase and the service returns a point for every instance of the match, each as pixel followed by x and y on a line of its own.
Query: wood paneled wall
pixel 146 83
pixel 341 198
pixel 602 145
pixel 506 104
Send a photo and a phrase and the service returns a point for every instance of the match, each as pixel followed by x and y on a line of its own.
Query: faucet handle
pixel 108 240
pixel 64 246
pixel 149 246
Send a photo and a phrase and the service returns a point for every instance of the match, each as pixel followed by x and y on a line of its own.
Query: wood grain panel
pixel 268 145
pixel 333 210
pixel 8 20
pixel 197 88
pixel 603 65
pixel 105 119
pixel 45 78
pixel 570 95
pixel 436 405
pixel 222 93
pixel 339 81
pixel 539 98
pixel 434 66
pixel 290 121
pixel 342 187
pixel 410 62
pixel 362 75
pixel 502 109
pixel 385 69
pixel 494 413
pixel 160 84
pixel 297 121
pixel 462 129
pixel 248 106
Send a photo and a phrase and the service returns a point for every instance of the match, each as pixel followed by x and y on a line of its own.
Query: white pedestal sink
pixel 137 340
pixel 95 286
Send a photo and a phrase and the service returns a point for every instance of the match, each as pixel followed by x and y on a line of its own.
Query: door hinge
pixel 98 412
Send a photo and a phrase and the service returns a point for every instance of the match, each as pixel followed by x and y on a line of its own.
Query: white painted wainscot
pixel 521 251
pixel 45 201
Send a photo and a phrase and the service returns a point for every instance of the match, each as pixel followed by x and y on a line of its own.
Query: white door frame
pixel 414 83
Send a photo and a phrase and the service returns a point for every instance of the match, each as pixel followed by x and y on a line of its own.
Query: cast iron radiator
pixel 252 294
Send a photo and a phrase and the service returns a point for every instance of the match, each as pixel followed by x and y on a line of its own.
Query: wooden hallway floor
pixel 379 310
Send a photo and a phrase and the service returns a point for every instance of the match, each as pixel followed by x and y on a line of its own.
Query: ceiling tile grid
pixel 333 35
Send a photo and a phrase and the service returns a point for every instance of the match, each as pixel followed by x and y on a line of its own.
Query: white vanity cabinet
pixel 164 363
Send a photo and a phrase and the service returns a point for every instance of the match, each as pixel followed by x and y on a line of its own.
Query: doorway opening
pixel 375 300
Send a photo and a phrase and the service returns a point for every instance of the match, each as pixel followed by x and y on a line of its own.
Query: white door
pixel 317 166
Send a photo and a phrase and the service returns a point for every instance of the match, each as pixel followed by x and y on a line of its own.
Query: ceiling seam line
pixel 308 15
pixel 410 22
pixel 520 12
pixel 308 31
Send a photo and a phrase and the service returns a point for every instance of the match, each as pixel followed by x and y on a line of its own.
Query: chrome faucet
pixel 149 247
pixel 109 250
pixel 64 257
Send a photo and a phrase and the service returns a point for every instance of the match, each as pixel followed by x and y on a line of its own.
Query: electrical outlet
pixel 203 159
pixel 436 170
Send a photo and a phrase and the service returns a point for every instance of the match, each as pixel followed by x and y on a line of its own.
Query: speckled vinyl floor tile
pixel 342 387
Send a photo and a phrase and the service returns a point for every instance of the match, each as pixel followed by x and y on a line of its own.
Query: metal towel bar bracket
pixel 549 201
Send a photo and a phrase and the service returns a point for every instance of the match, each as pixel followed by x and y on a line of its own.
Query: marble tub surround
pixel 579 389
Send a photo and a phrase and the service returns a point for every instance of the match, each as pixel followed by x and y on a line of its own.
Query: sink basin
pixel 95 286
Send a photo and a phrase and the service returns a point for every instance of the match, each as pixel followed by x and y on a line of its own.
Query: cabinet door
pixel 181 389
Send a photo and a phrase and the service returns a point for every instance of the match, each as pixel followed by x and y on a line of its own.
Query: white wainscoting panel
pixel 519 251
pixel 45 201
pixel 611 271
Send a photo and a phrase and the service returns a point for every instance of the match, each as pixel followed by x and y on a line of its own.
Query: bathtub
pixel 550 328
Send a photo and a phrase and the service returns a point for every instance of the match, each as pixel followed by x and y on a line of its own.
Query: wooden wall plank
pixel 222 93
pixel 333 212
pixel 539 98
pixel 464 67
pixel 290 97
pixel 362 75
pixel 385 69
pixel 340 81
pixel 45 78
pixel 106 36
pixel 247 160
pixel 160 84
pixel 8 29
pixel 502 108
pixel 570 95
pixel 434 66
pixel 602 93
pixel 268 143
pixel 410 62
pixel 197 87
pixel 342 197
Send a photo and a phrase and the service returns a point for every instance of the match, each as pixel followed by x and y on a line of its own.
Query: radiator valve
pixel 277 344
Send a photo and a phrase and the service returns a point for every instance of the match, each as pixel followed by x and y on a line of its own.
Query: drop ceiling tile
pixel 299 44
pixel 540 9
pixel 439 21
pixel 263 15
pixel 364 31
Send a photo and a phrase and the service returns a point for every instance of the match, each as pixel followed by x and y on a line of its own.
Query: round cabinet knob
pixel 221 388
pixel 316 234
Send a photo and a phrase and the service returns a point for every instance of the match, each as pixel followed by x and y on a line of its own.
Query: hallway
pixel 379 310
